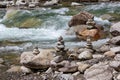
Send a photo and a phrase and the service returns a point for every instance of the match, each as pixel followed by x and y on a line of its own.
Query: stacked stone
pixel 36 51
pixel 60 45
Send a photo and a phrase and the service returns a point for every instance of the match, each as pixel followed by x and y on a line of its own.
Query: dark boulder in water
pixel 80 19
pixel 2 6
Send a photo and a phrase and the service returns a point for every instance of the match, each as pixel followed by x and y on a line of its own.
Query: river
pixel 54 23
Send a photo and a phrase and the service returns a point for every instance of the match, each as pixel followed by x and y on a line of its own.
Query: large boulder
pixel 100 71
pixel 115 29
pixel 40 61
pixel 80 19
pixel 78 22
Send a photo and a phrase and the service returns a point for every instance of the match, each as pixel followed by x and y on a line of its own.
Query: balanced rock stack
pixel 60 45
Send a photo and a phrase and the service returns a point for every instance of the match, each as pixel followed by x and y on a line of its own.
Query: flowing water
pixel 53 23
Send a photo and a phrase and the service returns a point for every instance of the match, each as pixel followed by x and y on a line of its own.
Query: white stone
pixel 115 49
pixel 85 55
pixel 76 4
pixel 98 56
pixel 31 5
pixel 50 3
pixel 25 69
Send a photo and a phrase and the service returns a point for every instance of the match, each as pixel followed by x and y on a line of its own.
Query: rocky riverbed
pixel 97 60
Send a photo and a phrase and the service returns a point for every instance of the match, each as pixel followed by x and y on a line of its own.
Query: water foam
pixel 103 5
pixel 32 34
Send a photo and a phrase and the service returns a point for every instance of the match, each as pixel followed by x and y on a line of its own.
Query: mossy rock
pixel 32 22
pixel 21 19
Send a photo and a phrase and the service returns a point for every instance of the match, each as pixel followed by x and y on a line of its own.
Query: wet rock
pixel 25 69
pixel 81 31
pixel 92 33
pixel 82 66
pixel 76 4
pixel 1 61
pixel 115 29
pixel 50 3
pixel 98 56
pixel 85 55
pixel 40 61
pixel 115 49
pixel 80 19
pixel 115 65
pixel 109 54
pixel 106 17
pixel 115 40
pixel 31 5
pixel 20 3
pixel 100 71
pixel 117 57
pixel 14 69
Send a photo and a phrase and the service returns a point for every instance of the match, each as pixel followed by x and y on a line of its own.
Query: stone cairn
pixel 90 26
pixel 36 51
pixel 60 47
